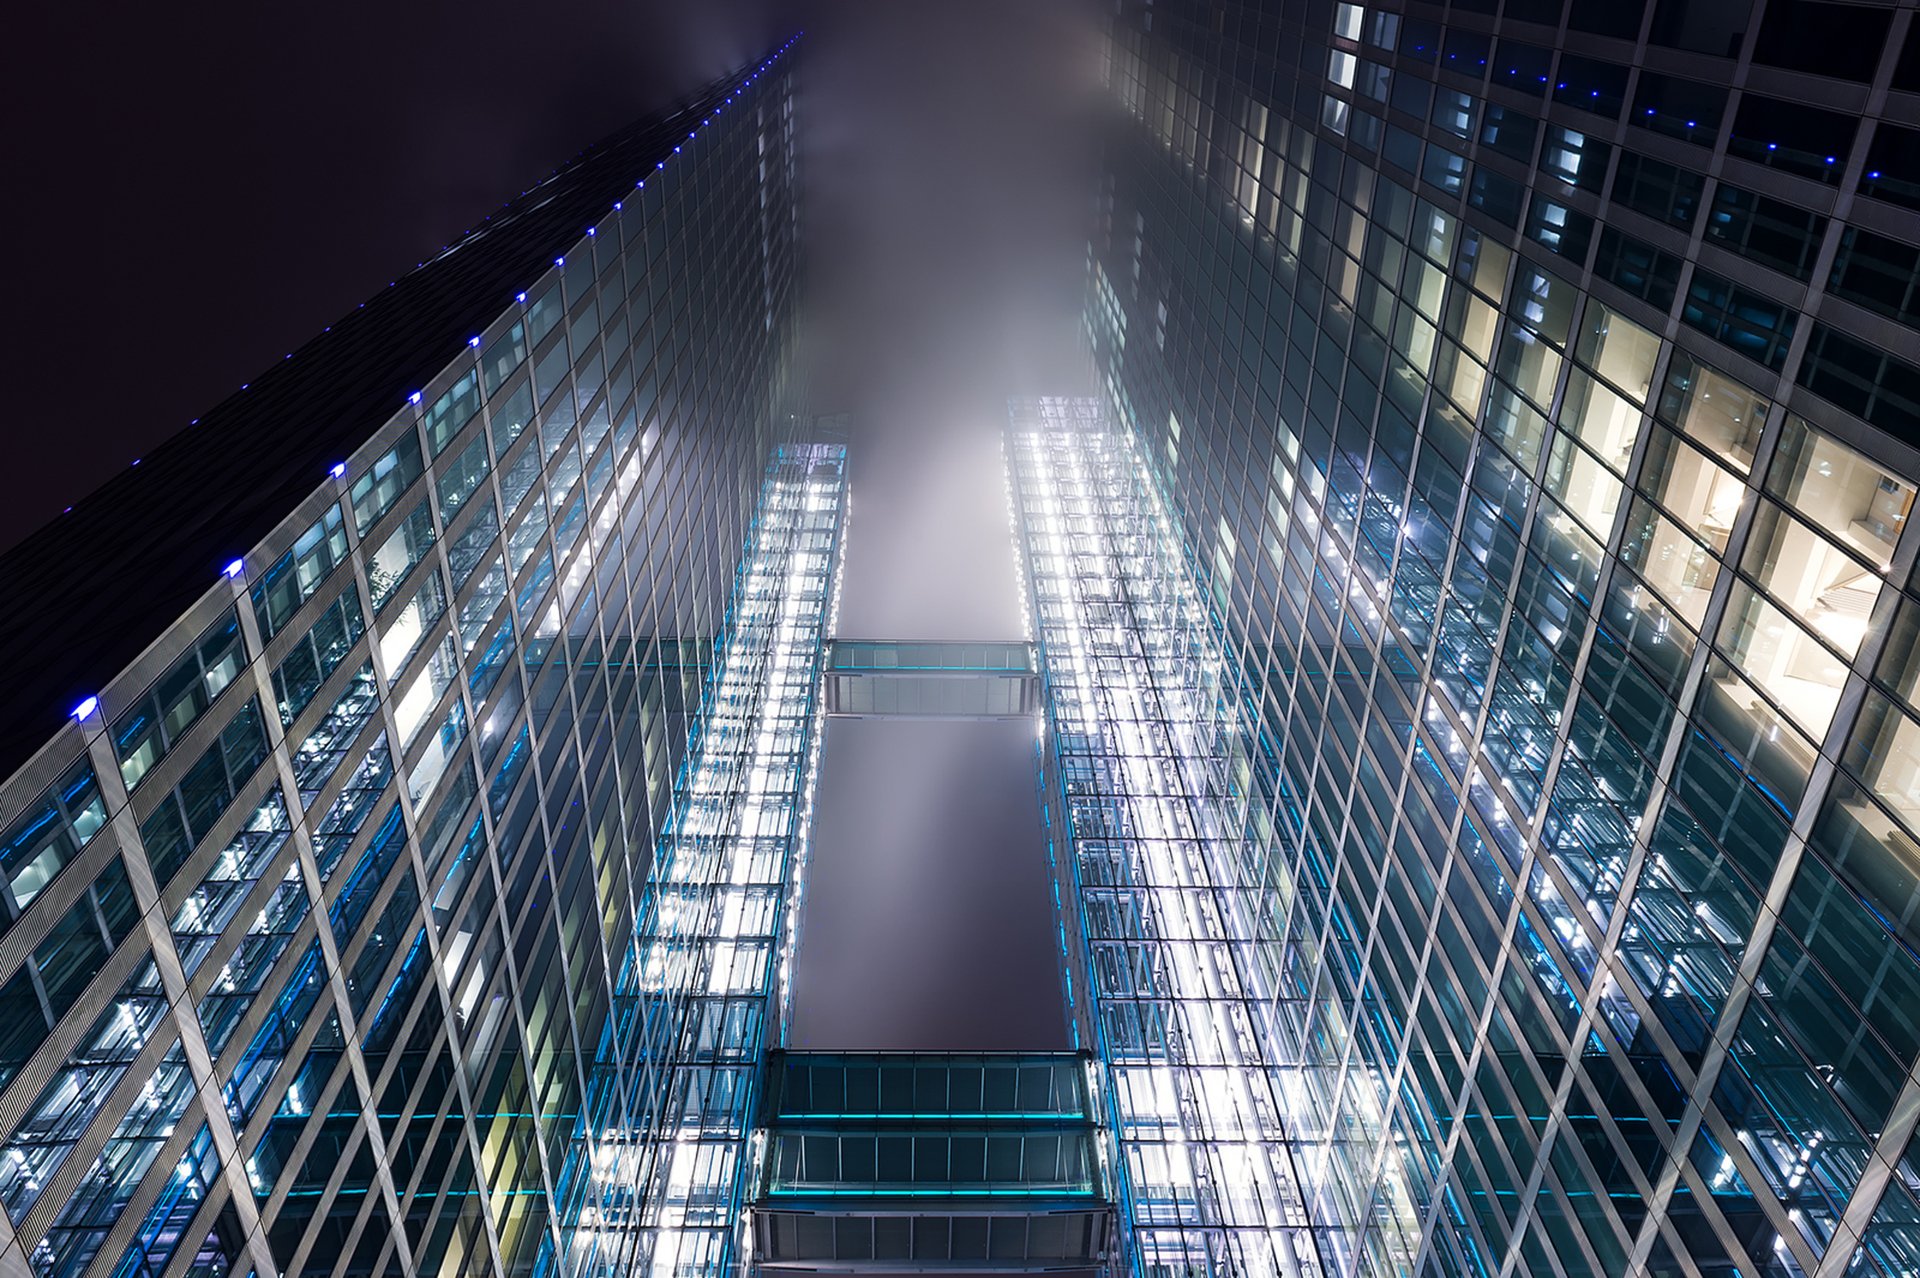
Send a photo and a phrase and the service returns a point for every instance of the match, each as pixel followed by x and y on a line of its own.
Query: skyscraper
pixel 1533 390
pixel 438 720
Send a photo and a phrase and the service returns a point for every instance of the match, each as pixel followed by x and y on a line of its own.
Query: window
pixel 1703 495
pixel 1838 40
pixel 1878 273
pixel 1574 158
pixel 501 356
pixel 1792 137
pixel 1657 189
pixel 1769 231
pixel 1508 132
pixel 1637 267
pixel 1497 196
pixel 49 833
pixel 374 493
pixel 143 735
pixel 186 815
pixel 1893 165
pixel 1617 18
pixel 1522 67
pixel 1591 85
pixel 1822 584
pixel 1684 109
pixel 451 412
pixel 1714 410
pixel 1756 327
pixel 1559 229
pixel 1868 383
pixel 293 578
pixel 1701 26
pixel 1839 490
pixel 510 416
pixel 314 658
pixel 404 630
pixel 388 566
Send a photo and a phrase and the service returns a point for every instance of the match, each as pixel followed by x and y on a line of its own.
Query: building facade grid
pixel 1514 377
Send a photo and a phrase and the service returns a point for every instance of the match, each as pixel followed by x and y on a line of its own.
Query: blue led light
pixel 414 398
pixel 338 470
pixel 1874 174
pixel 86 707
pixel 474 342
pixel 520 297
pixel 235 568
pixel 559 261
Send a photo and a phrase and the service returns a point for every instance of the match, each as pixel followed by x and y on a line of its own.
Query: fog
pixel 947 193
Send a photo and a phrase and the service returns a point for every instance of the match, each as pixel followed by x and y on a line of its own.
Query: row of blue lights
pixel 338 471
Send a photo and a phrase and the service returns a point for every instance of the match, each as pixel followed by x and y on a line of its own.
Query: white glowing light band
pixel 714 936
pixel 1181 1002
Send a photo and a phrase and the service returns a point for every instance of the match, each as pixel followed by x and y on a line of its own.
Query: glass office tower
pixel 1535 390
pixel 332 913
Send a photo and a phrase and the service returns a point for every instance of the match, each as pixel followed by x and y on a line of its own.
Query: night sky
pixel 201 188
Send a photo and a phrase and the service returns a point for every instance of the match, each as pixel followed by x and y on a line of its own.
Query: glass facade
pixel 1532 392
pixel 396 887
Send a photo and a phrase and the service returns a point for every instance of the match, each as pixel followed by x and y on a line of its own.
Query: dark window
pixel 1464 51
pixel 1906 72
pixel 1656 188
pixel 1792 137
pixel 1756 327
pixel 1574 158
pixel 1684 109
pixel 1508 132
pixel 1840 40
pixel 1560 229
pixel 1544 12
pixel 1878 273
pixel 1637 267
pixel 1402 149
pixel 1867 383
pixel 1420 40
pixel 1783 236
pixel 1702 26
pixel 1523 67
pixel 1591 85
pixel 1617 18
pixel 1412 94
pixel 1893 165
pixel 1499 197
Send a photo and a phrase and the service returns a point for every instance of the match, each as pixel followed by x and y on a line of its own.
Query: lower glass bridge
pixel 907 1162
